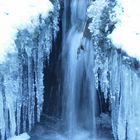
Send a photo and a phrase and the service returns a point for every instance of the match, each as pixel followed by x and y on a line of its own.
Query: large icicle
pixel 21 76
pixel 117 75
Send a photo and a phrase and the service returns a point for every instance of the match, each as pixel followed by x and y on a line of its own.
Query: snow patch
pixel 126 35
pixel 94 12
pixel 23 136
pixel 17 15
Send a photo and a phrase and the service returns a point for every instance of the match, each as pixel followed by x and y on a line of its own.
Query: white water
pixel 79 93
pixel 78 87
pixel 78 84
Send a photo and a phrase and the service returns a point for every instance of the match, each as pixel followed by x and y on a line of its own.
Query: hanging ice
pixel 21 70
pixel 117 74
pixel 123 96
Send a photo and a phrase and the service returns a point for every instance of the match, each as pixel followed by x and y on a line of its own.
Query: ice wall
pixel 118 77
pixel 21 76
pixel 117 74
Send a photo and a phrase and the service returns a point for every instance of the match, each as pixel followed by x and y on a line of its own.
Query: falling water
pixel 78 87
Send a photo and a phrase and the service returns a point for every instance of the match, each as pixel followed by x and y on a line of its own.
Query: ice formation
pixel 27 30
pixel 17 15
pixel 95 64
pixel 117 74
pixel 121 83
pixel 76 53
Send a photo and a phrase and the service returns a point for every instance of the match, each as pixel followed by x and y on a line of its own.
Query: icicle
pixel 115 69
pixel 128 118
pixel 21 77
pixel 104 81
pixel 2 121
pixel 55 17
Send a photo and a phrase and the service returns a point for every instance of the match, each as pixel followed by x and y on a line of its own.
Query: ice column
pixel 21 77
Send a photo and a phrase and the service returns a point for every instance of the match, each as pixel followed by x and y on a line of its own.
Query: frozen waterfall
pixel 69 77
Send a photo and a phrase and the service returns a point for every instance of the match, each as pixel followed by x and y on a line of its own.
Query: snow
pixel 126 35
pixel 16 15
pixel 94 11
pixel 23 136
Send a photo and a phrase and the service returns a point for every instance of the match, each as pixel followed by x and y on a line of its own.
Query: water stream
pixel 78 86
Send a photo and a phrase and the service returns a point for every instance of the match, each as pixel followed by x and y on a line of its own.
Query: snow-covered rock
pixel 23 136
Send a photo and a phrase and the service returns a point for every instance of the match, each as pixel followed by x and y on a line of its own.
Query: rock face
pixel 21 77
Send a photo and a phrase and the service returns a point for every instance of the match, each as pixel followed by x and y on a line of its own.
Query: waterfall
pixel 92 91
pixel 78 86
